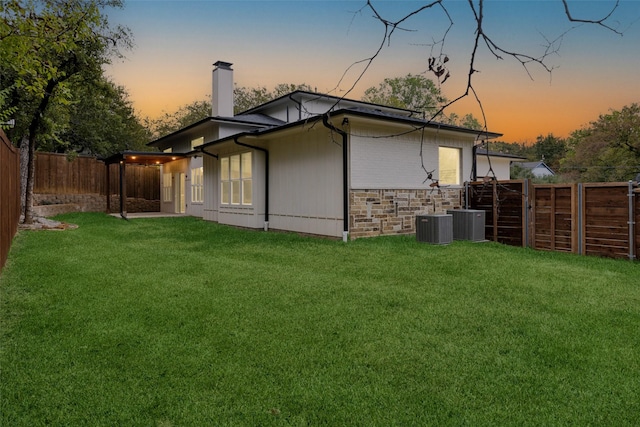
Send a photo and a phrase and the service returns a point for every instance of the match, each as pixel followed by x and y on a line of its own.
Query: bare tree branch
pixel 601 22
pixel 438 59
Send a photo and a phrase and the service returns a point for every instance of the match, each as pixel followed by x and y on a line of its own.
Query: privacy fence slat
pixel 9 195
pixel 589 218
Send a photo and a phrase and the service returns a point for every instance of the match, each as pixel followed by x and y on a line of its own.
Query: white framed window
pixel 166 187
pixel 197 185
pixel 196 142
pixel 449 165
pixel 236 179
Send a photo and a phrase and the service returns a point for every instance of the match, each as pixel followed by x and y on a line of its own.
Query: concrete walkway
pixel 147 215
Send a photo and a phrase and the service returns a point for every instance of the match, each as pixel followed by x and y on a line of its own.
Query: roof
pixel 263 123
pixel 375 113
pixel 336 99
pixel 483 152
pixel 360 112
pixel 247 119
pixel 535 165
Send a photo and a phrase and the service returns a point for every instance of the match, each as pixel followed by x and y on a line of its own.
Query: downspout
pixel 345 177
pixel 266 179
pixel 474 163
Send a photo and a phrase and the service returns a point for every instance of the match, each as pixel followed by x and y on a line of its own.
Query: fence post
pixel 495 210
pixel 580 211
pixel 526 213
pixel 631 223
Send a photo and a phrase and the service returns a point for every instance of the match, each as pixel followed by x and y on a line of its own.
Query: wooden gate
pixel 555 221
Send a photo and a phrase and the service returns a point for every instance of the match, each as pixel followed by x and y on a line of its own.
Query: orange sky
pixel 314 42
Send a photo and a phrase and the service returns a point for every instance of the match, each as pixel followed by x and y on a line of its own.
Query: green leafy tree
pixel 606 150
pixel 247 98
pixel 44 45
pixel 285 88
pixel 412 92
pixel 549 148
pixel 100 120
pixel 184 116
pixel 417 93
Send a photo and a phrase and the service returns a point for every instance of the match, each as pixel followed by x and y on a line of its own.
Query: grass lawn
pixel 182 322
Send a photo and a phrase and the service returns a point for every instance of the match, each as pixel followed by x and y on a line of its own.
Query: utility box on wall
pixel 436 229
pixel 468 224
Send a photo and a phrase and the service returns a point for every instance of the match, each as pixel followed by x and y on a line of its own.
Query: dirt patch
pixel 46 224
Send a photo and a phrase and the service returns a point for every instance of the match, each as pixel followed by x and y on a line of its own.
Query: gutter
pixel 207 153
pixel 345 177
pixel 266 179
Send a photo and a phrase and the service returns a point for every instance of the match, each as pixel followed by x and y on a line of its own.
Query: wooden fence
pixel 601 219
pixel 9 195
pixel 55 174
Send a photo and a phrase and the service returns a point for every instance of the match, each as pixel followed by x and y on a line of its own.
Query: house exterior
pixel 314 163
pixel 538 169
pixel 491 164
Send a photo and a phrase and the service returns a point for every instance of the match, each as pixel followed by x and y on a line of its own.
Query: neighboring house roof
pixel 538 169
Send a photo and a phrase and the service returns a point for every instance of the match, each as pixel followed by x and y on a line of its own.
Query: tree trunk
pixel 34 128
pixel 24 163
pixel 28 199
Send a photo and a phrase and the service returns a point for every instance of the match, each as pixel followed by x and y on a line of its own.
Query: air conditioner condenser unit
pixel 436 229
pixel 468 224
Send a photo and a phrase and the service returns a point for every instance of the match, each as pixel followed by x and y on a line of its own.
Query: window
pixel 166 187
pixel 236 180
pixel 168 150
pixel 197 185
pixel 196 142
pixel 449 164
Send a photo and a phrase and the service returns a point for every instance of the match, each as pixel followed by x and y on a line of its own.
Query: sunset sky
pixel 315 42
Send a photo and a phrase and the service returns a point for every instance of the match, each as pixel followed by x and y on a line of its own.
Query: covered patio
pixel 125 158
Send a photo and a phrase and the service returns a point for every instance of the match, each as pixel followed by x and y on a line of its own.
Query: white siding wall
pixel 394 162
pixel 305 186
pixel 500 166
pixel 211 188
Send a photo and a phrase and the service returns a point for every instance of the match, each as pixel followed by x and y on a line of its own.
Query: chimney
pixel 222 90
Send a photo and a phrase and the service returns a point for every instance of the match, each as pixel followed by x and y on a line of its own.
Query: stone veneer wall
pixel 378 212
pixel 51 204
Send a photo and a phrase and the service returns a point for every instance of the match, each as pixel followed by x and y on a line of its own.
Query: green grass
pixel 181 322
